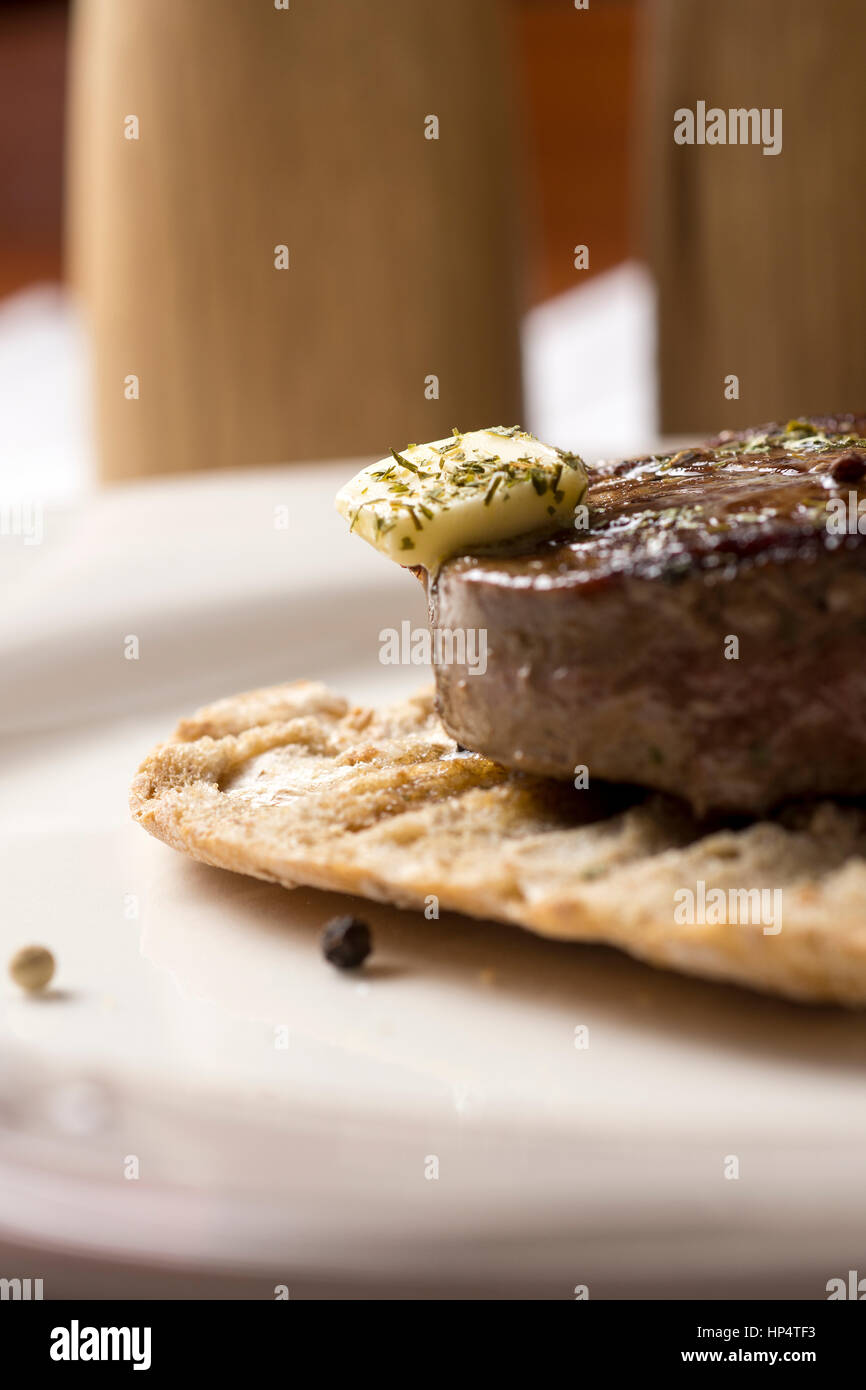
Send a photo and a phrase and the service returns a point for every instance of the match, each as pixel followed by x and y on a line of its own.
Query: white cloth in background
pixel 46 448
pixel 589 365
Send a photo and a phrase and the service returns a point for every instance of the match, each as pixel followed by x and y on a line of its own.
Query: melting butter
pixel 431 501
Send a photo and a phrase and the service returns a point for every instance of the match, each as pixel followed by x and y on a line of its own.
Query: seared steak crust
pixel 612 648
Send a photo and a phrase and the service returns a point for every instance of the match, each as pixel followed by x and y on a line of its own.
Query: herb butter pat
pixel 430 501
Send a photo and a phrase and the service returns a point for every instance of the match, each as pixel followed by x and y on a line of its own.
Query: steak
pixel 702 630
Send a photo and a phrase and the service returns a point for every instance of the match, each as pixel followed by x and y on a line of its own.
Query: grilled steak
pixel 704 633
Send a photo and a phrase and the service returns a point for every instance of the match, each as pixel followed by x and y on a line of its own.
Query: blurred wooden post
pixel 304 127
pixel 759 258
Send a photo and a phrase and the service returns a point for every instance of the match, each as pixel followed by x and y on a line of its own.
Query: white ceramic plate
pixel 309 1164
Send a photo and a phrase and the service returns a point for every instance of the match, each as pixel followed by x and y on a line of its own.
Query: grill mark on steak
pixel 605 646
pixel 708 508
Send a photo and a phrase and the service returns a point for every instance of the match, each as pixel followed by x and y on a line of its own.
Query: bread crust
pixel 295 785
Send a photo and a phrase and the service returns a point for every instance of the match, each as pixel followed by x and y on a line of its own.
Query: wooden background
pixel 397 317
pixel 576 95
pixel 33 50
pixel 758 260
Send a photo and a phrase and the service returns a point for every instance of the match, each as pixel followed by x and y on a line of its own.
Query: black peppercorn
pixel 346 942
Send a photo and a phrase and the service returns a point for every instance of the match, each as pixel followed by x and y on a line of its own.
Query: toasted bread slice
pixel 295 785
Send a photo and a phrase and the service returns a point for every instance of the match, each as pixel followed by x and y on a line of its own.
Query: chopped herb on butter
pixel 438 499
